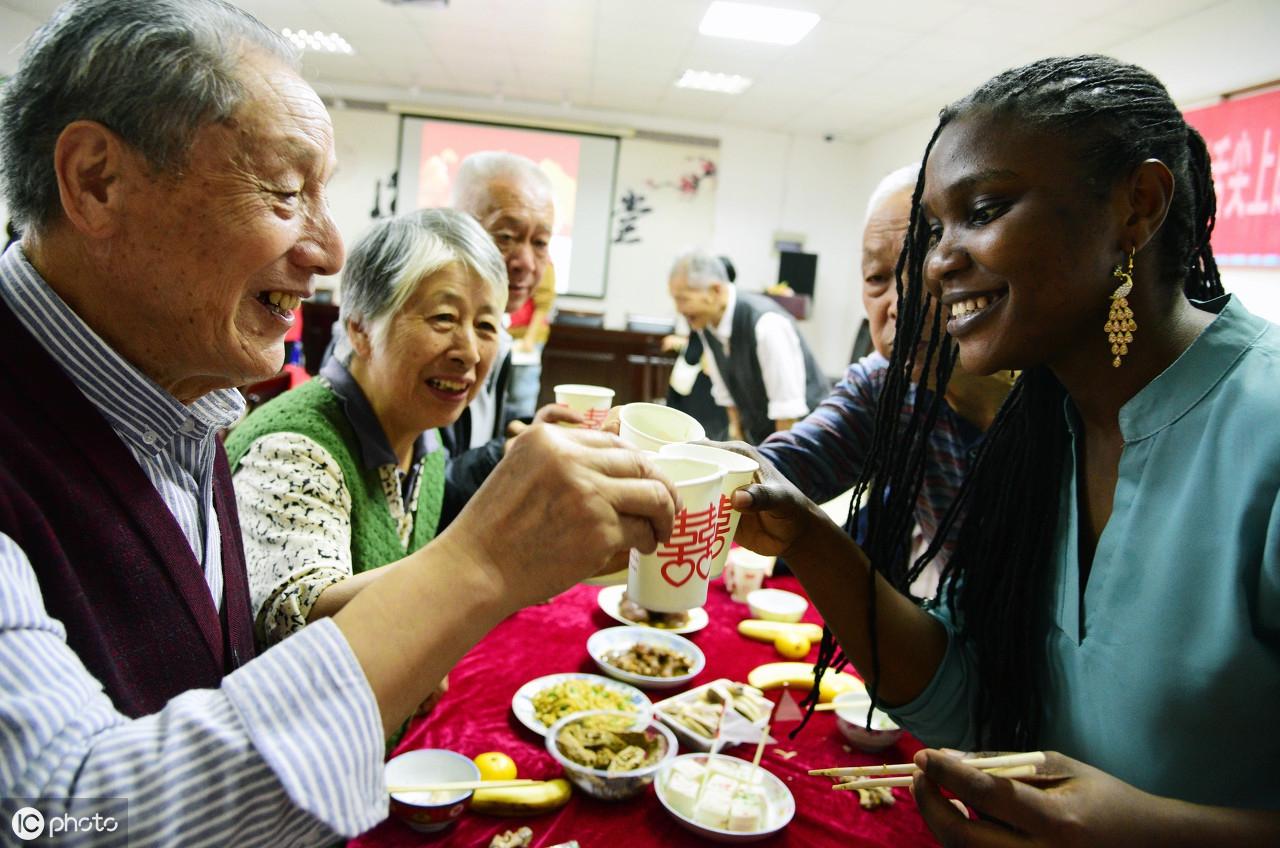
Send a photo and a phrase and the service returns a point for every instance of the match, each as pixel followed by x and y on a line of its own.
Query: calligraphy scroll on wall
pixel 1243 136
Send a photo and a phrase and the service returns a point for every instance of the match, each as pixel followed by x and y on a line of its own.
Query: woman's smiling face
pixel 1021 244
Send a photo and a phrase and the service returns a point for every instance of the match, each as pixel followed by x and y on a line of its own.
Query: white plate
pixel 782 806
pixel 522 700
pixel 610 600
pixel 621 638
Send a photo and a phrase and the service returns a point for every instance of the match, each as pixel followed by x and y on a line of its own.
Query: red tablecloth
pixel 475 716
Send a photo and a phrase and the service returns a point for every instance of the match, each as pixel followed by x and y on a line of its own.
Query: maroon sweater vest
pixel 113 565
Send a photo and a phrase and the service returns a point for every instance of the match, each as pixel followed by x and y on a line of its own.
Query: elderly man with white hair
pixel 826 453
pixel 761 370
pixel 512 199
pixel 168 166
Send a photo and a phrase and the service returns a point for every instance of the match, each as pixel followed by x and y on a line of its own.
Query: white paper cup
pixel 592 402
pixel 739 471
pixel 745 572
pixel 674 577
pixel 649 426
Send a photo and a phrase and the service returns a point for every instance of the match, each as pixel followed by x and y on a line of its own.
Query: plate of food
pixel 543 701
pixel 616 605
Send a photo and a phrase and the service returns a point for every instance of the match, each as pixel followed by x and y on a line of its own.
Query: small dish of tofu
pixel 723 798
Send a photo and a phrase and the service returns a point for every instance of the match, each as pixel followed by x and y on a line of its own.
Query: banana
pixel 799 675
pixel 522 800
pixel 767 631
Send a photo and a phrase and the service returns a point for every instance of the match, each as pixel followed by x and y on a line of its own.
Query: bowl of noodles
pixel 543 701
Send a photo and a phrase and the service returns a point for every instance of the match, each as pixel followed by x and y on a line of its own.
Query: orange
pixel 495 765
pixel 791 645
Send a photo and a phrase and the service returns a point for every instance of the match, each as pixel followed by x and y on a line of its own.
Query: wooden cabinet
pixel 630 363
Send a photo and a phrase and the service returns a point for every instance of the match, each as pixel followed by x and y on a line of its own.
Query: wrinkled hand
pixel 558 413
pixel 774 512
pixel 673 343
pixel 560 503
pixel 613 421
pixel 1067 804
pixel 552 413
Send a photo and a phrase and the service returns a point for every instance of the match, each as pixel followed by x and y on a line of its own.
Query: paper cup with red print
pixel 674 577
pixel 739 471
pixel 649 426
pixel 591 402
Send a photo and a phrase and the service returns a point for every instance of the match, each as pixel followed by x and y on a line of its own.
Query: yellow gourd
pixel 799 675
pixel 769 631
pixel 522 800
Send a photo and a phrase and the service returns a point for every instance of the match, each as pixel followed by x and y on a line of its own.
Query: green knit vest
pixel 314 411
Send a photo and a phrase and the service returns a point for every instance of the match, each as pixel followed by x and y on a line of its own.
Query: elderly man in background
pixel 168 166
pixel 512 199
pixel 761 371
pixel 825 454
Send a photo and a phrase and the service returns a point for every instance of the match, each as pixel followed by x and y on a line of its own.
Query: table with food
pixel 589 720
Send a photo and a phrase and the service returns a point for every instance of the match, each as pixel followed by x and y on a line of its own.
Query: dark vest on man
pixel 112 562
pixel 740 370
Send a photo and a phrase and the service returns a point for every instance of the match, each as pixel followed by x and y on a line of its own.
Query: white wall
pixel 767 182
pixel 770 183
pixel 366 144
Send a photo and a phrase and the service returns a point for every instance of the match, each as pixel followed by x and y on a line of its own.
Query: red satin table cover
pixel 475 716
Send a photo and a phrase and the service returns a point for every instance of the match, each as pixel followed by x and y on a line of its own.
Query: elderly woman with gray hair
pixel 346 473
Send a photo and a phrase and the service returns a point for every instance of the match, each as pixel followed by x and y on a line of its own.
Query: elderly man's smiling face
pixel 520 217
pixel 215 260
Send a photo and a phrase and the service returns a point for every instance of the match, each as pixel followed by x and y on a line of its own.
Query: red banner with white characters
pixel 1243 136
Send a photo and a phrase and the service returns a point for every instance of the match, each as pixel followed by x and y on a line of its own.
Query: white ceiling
pixel 866 68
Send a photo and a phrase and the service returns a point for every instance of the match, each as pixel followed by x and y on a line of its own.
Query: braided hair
pixel 994 582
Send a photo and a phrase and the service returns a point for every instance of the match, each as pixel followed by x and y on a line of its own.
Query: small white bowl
pixel 429 765
pixel 851 718
pixel 781 806
pixel 777 605
pixel 599 783
pixel 621 638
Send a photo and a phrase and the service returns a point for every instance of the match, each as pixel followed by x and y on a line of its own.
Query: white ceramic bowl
pixel 777 605
pixel 781 807
pixel 598 783
pixel 429 765
pixel 851 718
pixel 612 639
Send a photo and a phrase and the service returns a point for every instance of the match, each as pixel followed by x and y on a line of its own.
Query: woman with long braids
pixel 1114 591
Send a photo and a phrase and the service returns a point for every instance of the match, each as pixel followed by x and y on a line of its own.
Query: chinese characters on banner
pixel 1243 137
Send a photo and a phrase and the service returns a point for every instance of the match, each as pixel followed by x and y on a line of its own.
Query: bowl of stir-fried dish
pixel 610 755
pixel 645 657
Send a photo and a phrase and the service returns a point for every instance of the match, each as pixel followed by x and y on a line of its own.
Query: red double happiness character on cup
pixel 674 577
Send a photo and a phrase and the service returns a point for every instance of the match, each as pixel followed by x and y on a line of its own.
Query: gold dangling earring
pixel 1120 323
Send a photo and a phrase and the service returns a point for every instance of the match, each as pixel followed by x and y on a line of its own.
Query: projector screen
pixel 581 169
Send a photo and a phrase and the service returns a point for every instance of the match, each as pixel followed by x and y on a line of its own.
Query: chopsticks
pixel 764 736
pixel 460 785
pixel 867 777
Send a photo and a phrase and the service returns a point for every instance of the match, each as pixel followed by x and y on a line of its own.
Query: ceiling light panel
pixel 756 23
pixel 712 81
pixel 318 42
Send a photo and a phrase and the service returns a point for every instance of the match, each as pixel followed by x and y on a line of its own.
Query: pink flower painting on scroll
pixel 689 550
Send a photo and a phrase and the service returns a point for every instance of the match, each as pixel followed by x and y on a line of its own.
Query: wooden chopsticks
pixel 868 777
pixel 460 785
